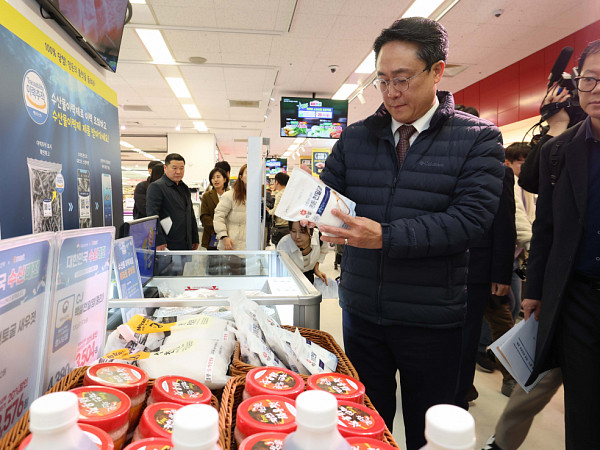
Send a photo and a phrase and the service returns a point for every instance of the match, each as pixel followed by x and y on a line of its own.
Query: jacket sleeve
pixel 278 195
pixel 523 225
pixel 154 201
pixel 530 170
pixel 333 174
pixel 139 197
pixel 206 212
pixel 470 213
pixel 504 233
pixel 543 228
pixel 195 234
pixel 221 212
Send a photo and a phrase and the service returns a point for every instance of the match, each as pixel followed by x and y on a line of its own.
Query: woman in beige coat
pixel 230 215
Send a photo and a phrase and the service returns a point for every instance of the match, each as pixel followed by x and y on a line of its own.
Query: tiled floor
pixel 547 431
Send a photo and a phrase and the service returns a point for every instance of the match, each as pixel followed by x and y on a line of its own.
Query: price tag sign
pixel 79 304
pixel 25 272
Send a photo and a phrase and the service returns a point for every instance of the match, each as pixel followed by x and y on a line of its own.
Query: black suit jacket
pixel 557 232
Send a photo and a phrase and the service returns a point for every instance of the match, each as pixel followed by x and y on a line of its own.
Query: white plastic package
pixel 308 198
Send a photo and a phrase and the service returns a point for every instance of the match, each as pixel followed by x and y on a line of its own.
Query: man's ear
pixel 438 70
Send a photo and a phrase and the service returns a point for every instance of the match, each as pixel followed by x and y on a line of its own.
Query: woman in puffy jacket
pixel 230 215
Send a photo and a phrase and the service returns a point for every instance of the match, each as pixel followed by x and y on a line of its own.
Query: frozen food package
pixel 308 198
pixel 307 354
pixel 46 185
pixel 84 198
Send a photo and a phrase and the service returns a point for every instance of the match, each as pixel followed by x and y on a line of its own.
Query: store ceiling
pixel 262 49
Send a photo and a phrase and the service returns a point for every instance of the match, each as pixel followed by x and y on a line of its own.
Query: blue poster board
pixel 129 283
pixel 25 279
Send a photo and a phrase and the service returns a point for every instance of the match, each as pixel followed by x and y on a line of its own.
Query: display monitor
pixel 143 232
pixel 96 25
pixel 313 117
pixel 276 165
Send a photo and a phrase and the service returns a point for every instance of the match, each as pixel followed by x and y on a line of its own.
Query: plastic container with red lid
pixel 341 386
pixel 273 381
pixel 150 444
pixel 97 436
pixel 262 441
pixel 106 408
pixel 264 413
pixel 363 443
pixel 131 380
pixel 157 421
pixel 359 421
pixel 182 390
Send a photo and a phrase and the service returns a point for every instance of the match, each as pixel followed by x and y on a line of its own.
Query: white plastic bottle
pixel 196 427
pixel 448 427
pixel 316 417
pixel 53 424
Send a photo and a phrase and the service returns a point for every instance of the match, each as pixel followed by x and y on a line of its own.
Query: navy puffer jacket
pixel 443 198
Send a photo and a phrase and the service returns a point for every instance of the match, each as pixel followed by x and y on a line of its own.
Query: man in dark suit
pixel 563 283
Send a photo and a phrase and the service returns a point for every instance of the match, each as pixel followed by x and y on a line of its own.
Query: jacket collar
pixel 380 122
pixel 171 183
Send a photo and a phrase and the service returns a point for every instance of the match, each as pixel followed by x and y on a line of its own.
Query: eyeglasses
pixel 400 84
pixel 586 84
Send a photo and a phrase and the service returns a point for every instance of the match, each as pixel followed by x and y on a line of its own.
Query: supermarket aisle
pixel 547 431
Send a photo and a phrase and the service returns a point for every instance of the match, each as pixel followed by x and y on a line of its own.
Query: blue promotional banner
pixel 25 266
pixel 79 301
pixel 127 274
pixel 59 130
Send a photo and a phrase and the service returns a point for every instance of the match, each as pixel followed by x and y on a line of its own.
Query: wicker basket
pixel 13 438
pixel 325 340
pixel 233 396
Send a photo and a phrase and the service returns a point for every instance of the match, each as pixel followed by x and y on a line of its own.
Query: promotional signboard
pixel 79 304
pixel 60 132
pixel 25 274
pixel 127 275
pixel 319 155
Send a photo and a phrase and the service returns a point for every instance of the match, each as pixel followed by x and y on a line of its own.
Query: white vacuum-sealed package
pixel 308 198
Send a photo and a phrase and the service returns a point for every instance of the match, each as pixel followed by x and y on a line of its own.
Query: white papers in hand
pixel 516 351
pixel 166 224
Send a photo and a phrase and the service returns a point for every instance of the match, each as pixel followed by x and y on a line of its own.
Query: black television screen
pixel 96 25
pixel 276 165
pixel 313 117
pixel 143 232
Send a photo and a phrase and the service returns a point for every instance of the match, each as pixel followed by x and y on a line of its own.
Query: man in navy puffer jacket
pixel 403 283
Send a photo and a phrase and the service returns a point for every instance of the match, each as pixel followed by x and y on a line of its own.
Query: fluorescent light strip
pixel 192 111
pixel 299 140
pixel 422 8
pixel 178 87
pixel 200 126
pixel 126 144
pixel 155 45
pixel 368 65
pixel 345 91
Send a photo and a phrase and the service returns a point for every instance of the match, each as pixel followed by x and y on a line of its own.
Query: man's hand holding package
pixel 361 232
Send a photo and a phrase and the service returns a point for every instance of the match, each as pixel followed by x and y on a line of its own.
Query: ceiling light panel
pixel 345 91
pixel 155 45
pixel 192 111
pixel 178 87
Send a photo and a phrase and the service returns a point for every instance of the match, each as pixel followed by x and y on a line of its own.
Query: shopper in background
pixel 157 172
pixel 210 199
pixel 169 198
pixel 280 226
pixel 139 194
pixel 224 165
pixel 563 275
pixel 230 215
pixel 427 181
pixel 305 249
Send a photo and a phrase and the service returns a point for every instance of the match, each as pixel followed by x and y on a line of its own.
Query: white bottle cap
pixel 53 411
pixel 450 427
pixel 195 426
pixel 316 409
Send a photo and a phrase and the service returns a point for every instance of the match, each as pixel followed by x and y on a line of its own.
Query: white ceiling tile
pixel 246 17
pixel 195 15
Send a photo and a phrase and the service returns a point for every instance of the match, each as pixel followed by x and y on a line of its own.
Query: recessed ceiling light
pixel 345 91
pixel 192 111
pixel 197 60
pixel 156 45
pixel 178 87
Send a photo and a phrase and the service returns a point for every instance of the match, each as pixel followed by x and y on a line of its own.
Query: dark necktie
pixel 405 132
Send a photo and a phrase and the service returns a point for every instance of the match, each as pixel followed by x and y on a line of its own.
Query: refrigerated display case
pixel 268 277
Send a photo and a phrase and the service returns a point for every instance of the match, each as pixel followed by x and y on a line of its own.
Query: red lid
pixel 150 444
pixel 182 390
pixel 271 440
pixel 363 443
pixel 98 436
pixel 266 413
pixel 129 379
pixel 157 420
pixel 103 407
pixel 358 420
pixel 274 381
pixel 341 386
